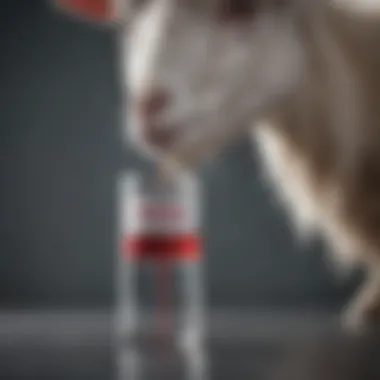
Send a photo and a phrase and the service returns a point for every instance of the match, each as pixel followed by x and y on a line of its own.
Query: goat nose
pixel 154 102
pixel 149 108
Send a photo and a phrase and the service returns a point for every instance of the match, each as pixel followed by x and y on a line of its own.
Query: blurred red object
pixel 97 10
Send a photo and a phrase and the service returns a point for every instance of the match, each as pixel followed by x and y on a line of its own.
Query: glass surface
pixel 273 346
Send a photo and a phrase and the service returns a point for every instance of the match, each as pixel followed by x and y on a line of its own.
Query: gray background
pixel 59 154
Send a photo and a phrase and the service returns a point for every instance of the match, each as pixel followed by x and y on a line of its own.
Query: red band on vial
pixel 158 247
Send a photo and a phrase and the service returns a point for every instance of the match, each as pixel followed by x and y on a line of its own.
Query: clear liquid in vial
pixel 160 316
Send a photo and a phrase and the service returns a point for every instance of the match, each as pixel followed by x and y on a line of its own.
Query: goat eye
pixel 237 10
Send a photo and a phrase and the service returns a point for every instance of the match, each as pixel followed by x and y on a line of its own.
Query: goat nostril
pixel 149 108
pixel 154 102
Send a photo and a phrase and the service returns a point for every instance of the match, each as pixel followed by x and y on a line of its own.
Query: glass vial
pixel 160 300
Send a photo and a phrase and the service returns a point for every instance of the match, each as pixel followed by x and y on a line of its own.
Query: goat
pixel 300 78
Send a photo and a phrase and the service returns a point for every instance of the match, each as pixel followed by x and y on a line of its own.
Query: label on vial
pixel 147 216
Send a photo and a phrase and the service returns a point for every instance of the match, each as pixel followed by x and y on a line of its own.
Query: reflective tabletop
pixel 275 345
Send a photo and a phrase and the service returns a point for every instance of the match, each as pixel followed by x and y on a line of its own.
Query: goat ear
pixel 105 12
